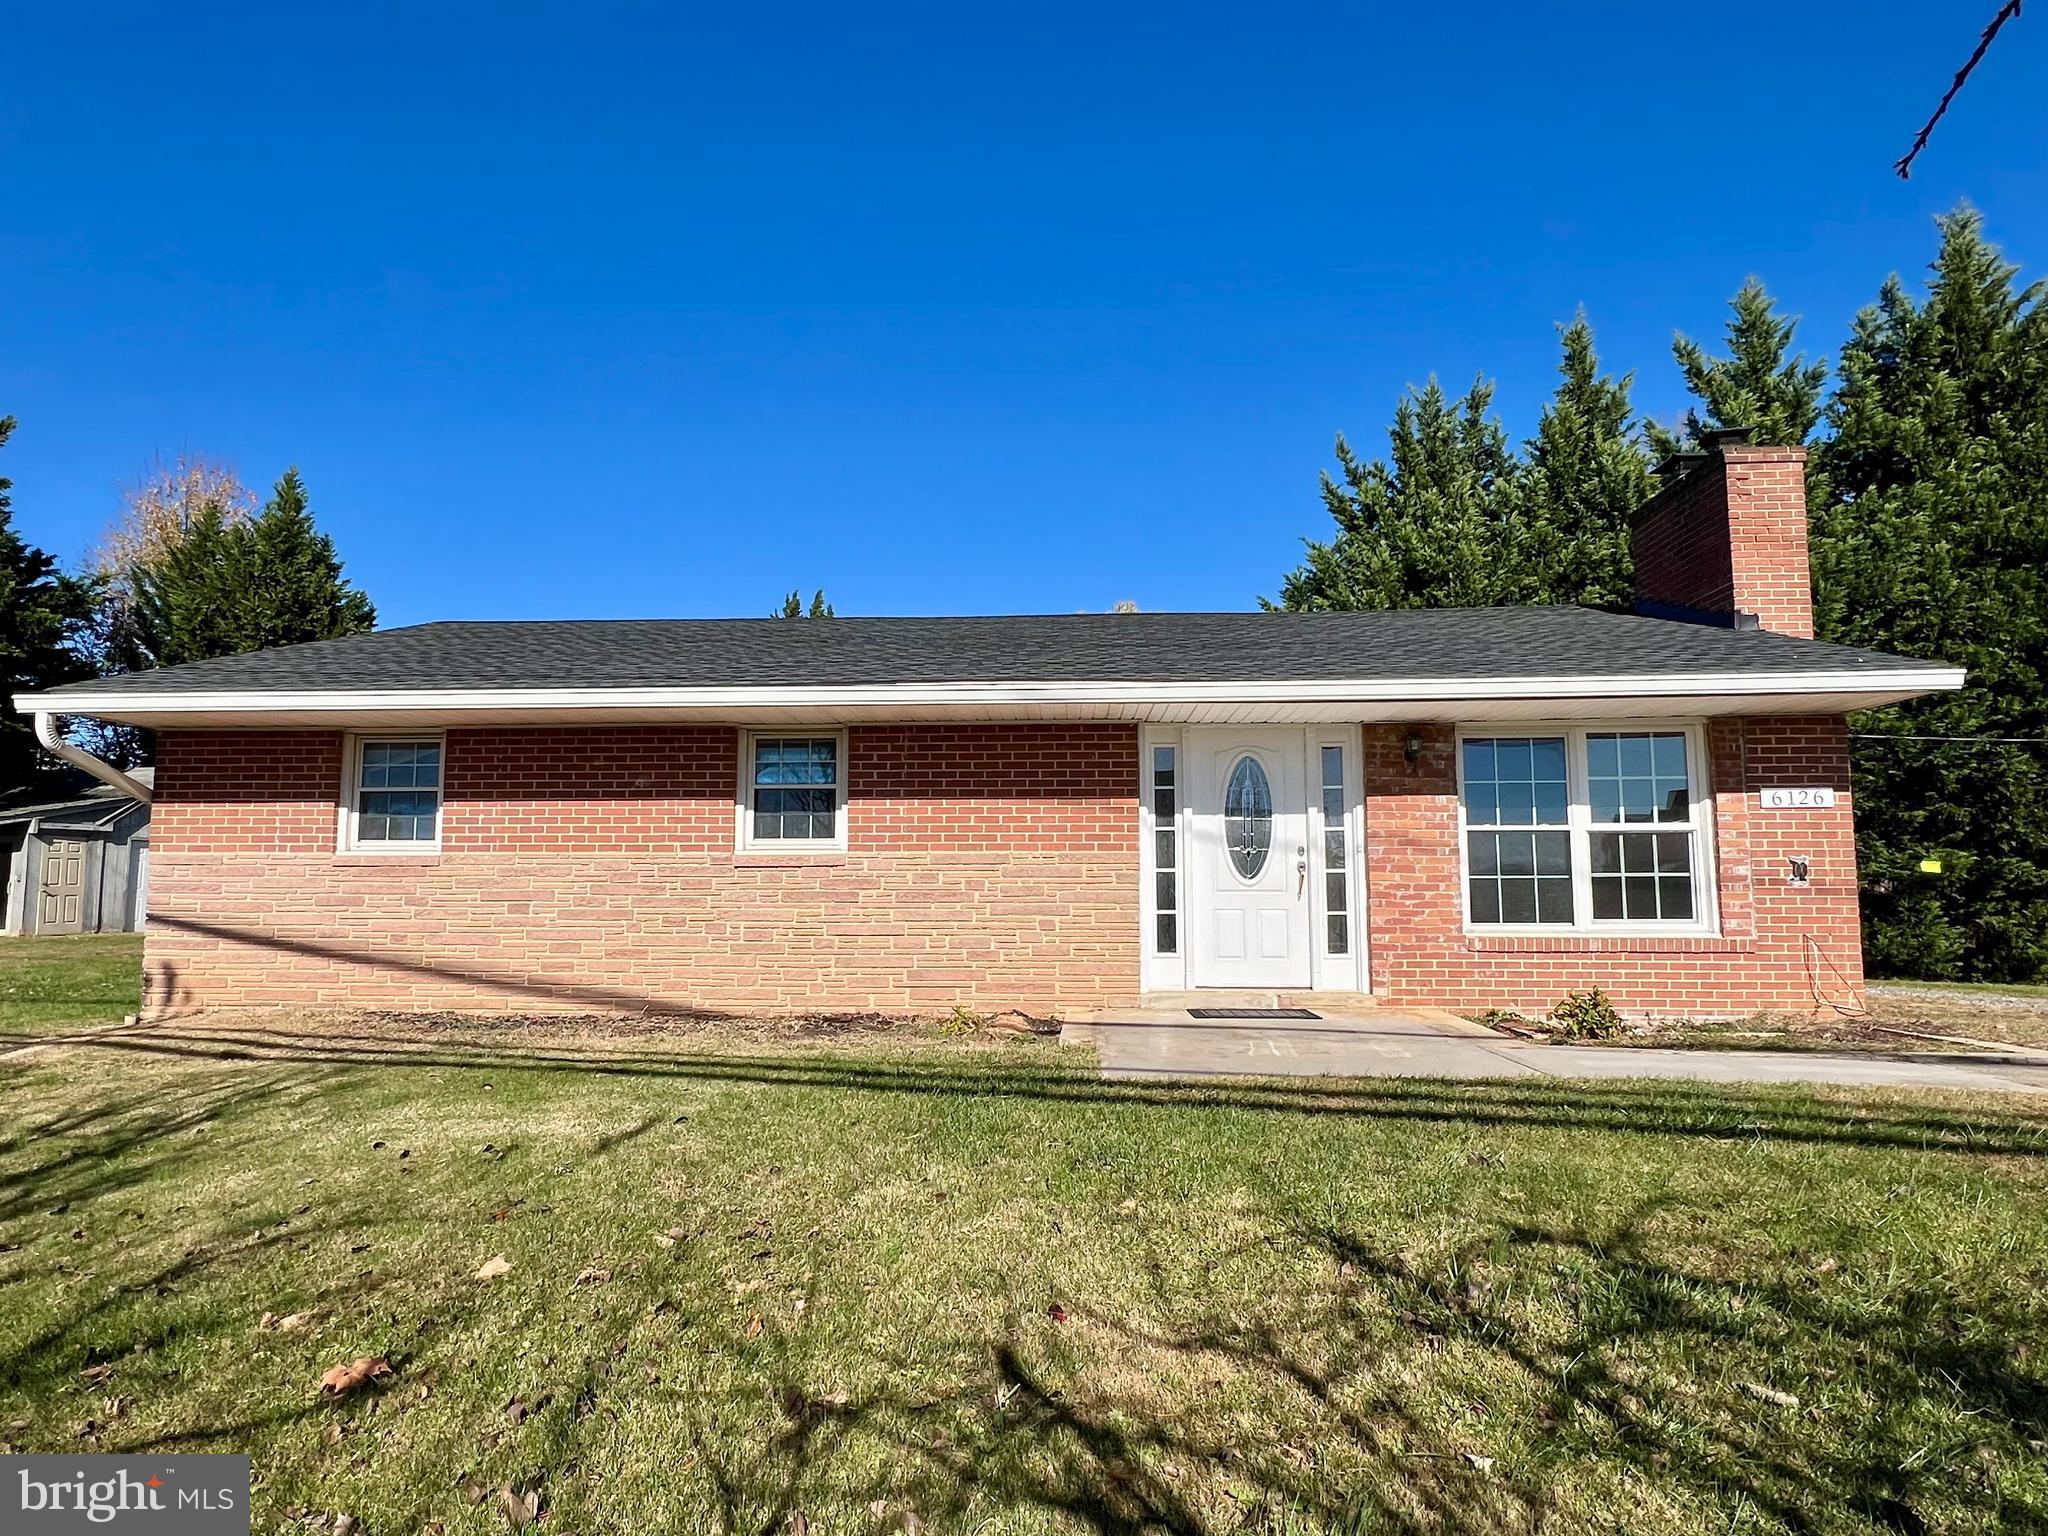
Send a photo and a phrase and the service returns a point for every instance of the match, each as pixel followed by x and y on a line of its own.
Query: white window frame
pixel 346 839
pixel 1160 972
pixel 1579 823
pixel 1346 972
pixel 744 806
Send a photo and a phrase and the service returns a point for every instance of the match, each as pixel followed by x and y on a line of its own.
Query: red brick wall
pixel 1731 536
pixel 992 865
pixel 1777 943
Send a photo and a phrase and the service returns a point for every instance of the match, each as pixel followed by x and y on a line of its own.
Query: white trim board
pixel 1277 701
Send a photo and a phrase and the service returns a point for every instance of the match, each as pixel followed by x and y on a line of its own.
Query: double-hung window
pixel 1585 829
pixel 793 790
pixel 394 795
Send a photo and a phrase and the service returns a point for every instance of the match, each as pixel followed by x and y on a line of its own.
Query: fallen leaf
pixel 519 1410
pixel 1480 1463
pixel 96 1373
pixel 754 1326
pixel 358 1373
pixel 1128 1206
pixel 493 1267
pixel 1770 1395
pixel 1056 1312
pixel 344 1525
pixel 798 1524
pixel 521 1505
pixel 594 1276
pixel 291 1322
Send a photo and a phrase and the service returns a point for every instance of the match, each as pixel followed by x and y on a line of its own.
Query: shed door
pixel 62 908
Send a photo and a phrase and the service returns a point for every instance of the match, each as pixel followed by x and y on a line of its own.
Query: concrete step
pixel 1230 997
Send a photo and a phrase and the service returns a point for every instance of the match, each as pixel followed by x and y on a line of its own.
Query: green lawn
pixel 53 984
pixel 883 1276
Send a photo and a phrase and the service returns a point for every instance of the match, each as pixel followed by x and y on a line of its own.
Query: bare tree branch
pixel 2006 12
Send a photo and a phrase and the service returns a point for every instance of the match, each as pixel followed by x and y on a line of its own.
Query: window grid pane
pixel 398 791
pixel 1336 883
pixel 1638 777
pixel 1642 877
pixel 1165 853
pixel 1519 872
pixel 1523 875
pixel 796 789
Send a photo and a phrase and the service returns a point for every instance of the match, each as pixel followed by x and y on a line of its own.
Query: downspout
pixel 55 744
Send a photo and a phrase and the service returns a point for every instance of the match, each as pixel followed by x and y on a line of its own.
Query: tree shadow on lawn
pixel 1911 1399
pixel 1420 1398
pixel 1368 1397
pixel 122 1145
pixel 1663 1108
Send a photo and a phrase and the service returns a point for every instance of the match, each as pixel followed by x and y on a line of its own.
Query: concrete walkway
pixel 1432 1043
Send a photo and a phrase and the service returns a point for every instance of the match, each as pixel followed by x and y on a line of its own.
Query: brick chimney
pixel 1724 542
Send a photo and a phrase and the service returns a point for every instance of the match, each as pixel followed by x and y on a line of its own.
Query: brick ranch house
pixel 1467 808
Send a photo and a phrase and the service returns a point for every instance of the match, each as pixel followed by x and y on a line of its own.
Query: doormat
pixel 1252 1013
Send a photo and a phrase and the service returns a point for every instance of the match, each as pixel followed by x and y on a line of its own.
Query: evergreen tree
pixel 1458 520
pixel 793 607
pixel 1756 385
pixel 1932 540
pixel 43 616
pixel 1587 473
pixel 295 577
pixel 1425 530
pixel 227 587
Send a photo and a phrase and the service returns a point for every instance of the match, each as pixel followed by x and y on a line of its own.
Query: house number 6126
pixel 1794 799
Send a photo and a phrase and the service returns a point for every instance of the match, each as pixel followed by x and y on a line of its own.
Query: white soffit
pixel 1422 700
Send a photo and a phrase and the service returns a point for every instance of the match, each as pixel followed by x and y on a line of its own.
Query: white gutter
pixel 55 744
pixel 1667 684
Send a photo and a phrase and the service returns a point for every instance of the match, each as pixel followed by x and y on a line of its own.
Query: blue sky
pixel 589 311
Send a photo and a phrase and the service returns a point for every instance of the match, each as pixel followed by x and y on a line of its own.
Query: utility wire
pixel 1989 741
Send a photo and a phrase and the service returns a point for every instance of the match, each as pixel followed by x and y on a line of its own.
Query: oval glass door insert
pixel 1248 817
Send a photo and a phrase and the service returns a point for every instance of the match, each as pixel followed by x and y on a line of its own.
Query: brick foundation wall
pixel 594 869
pixel 1777 942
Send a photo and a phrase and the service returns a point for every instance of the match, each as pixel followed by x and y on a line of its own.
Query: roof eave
pixel 1418 699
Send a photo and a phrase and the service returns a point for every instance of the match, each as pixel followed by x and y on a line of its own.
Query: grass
pixel 54 984
pixel 763 1285
pixel 1971 988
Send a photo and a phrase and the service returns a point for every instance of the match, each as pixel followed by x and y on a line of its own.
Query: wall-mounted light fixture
pixel 1412 748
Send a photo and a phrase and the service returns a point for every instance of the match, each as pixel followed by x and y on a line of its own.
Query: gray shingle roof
pixel 1421 644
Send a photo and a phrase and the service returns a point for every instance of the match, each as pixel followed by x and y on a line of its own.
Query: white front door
pixel 1248 859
